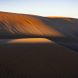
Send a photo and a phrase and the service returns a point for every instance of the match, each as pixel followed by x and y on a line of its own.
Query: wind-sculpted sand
pixel 38 47
pixel 18 25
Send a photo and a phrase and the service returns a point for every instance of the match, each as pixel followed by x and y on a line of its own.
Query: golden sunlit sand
pixel 18 24
pixel 30 40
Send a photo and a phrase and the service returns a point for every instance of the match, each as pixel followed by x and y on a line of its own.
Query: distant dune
pixel 38 47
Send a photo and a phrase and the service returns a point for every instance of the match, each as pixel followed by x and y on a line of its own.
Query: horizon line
pixel 49 16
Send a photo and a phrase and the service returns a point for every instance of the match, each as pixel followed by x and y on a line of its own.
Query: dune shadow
pixel 68 27
pixel 37 61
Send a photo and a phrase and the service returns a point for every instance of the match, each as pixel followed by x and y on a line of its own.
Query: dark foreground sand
pixel 37 60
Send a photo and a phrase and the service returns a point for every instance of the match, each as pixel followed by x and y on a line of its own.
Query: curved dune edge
pixel 29 40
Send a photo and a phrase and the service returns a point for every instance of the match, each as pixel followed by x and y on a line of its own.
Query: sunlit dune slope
pixel 18 25
pixel 24 25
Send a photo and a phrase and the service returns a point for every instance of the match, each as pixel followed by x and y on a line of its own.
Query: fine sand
pixel 38 47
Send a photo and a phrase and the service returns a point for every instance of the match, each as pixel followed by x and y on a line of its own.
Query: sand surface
pixel 38 47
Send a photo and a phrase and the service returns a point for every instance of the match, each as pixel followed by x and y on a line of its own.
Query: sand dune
pixel 19 25
pixel 22 25
pixel 59 29
pixel 38 47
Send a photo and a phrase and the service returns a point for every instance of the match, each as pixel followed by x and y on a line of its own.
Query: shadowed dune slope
pixel 40 60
